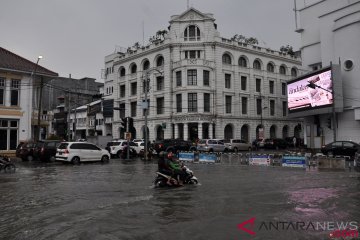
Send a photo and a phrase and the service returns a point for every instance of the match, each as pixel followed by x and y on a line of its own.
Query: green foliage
pixel 243 39
pixel 160 36
pixel 287 49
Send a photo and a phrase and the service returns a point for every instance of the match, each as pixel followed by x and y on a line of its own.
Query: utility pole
pixel 127 137
pixel 30 103
pixel 147 79
pixel 38 135
pixel 68 117
pixel 146 106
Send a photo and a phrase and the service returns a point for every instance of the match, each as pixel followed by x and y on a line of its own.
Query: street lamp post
pixel 30 101
pixel 146 106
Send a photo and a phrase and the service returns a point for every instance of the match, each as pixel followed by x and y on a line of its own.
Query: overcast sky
pixel 74 36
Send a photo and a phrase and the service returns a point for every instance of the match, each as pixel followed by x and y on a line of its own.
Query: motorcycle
pixel 7 165
pixel 167 180
pixel 132 153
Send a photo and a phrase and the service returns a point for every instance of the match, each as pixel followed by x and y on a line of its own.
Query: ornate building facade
pixel 201 85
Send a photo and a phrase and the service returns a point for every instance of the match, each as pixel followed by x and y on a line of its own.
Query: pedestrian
pixel 294 141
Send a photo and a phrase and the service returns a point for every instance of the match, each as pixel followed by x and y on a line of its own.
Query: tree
pixel 252 41
pixel 243 39
pixel 287 49
pixel 159 36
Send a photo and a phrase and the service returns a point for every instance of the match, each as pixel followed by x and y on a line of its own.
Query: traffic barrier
pixel 259 160
pixel 337 163
pixel 186 156
pixel 294 161
pixel 207 158
pixel 231 158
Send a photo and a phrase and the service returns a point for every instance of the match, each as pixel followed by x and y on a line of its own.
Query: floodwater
pixel 117 201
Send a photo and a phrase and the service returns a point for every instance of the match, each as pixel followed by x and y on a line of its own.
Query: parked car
pixel 139 146
pixel 112 143
pixel 237 145
pixel 258 143
pixel 275 143
pixel 45 150
pixel 25 151
pixel 211 145
pixel 138 140
pixel 357 160
pixel 118 146
pixel 341 148
pixel 76 152
pixel 172 145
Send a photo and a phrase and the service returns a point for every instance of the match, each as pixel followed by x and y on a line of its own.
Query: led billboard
pixel 301 97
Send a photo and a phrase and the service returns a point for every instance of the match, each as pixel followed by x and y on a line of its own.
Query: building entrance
pixel 193 131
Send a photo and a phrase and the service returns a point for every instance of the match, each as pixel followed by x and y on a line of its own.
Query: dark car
pixel 172 145
pixel 357 160
pixel 341 148
pixel 45 150
pixel 258 143
pixel 275 143
pixel 25 151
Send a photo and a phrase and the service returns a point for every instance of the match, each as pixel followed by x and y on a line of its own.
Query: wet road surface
pixel 118 201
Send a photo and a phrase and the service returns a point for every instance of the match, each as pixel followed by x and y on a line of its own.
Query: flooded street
pixel 118 201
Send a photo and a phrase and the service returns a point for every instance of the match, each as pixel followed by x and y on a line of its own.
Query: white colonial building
pixel 330 33
pixel 19 90
pixel 202 85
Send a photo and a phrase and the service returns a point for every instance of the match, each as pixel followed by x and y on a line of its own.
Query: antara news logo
pixel 332 228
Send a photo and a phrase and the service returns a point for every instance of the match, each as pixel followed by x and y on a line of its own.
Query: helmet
pixel 170 155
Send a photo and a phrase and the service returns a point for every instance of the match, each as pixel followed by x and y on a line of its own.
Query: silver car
pixel 237 145
pixel 211 145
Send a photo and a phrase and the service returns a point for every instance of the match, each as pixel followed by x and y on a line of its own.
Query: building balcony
pixel 193 62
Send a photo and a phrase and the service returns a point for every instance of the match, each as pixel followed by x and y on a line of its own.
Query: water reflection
pixel 118 201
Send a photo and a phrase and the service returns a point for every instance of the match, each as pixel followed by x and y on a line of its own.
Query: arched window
pixel 245 133
pixel 146 65
pixel 228 132
pixel 257 65
pixel 270 67
pixel 192 33
pixel 242 62
pixel 294 72
pixel 273 131
pixel 160 61
pixel 226 59
pixel 282 70
pixel 133 68
pixel 285 132
pixel 122 72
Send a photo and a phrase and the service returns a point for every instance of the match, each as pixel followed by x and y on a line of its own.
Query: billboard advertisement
pixel 301 97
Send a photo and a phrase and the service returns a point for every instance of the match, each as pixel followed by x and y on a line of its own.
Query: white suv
pixel 118 146
pixel 76 152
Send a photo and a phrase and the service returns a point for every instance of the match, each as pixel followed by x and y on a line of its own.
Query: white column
pixel 176 131
pixel 211 130
pixel 186 131
pixel 200 130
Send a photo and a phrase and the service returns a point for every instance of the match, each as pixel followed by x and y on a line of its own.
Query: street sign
pixel 294 161
pixel 189 157
pixel 207 157
pixel 128 136
pixel 259 160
